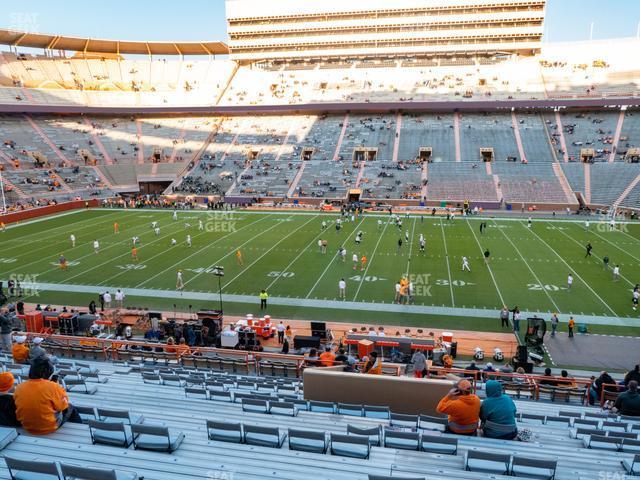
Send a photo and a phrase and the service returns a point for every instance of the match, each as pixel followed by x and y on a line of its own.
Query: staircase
pixel 96 139
pixel 616 137
pixel 568 192
pixel 496 182
pixel 48 141
pixel 360 174
pixel 563 143
pixel 456 136
pixel 516 132
pixel 345 124
pixel 396 142
pixel 296 180
pixel 587 183
pixel 423 178
pixel 626 192
pixel 14 188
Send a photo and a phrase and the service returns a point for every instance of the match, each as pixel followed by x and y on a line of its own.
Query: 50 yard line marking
pixel 265 253
pixel 364 274
pixel 331 261
pixel 488 266
pixel 571 269
pixel 446 256
pixel 529 267
pixel 286 269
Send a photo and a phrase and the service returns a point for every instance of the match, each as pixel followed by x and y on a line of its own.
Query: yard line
pixel 56 244
pixel 286 269
pixel 48 232
pixel 244 270
pixel 594 255
pixel 529 267
pixel 413 231
pixel 331 261
pixel 616 246
pixel 364 274
pixel 571 269
pixel 200 250
pixel 488 266
pixel 446 256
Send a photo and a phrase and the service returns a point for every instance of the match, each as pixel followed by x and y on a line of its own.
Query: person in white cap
pixel 36 351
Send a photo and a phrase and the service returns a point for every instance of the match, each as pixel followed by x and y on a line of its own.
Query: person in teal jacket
pixel 498 413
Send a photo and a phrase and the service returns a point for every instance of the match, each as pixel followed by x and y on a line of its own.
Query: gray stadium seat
pixel 307 441
pixel 283 408
pixel 254 406
pixel 74 472
pixel 79 386
pixel 632 466
pixel 533 468
pixel 373 411
pixel 349 409
pixel 323 407
pixel 487 462
pixel 110 433
pixel 438 444
pixel 374 434
pixel 602 442
pixel 630 446
pixel 31 470
pixel 427 422
pixel 224 431
pixel 350 446
pixel 157 438
pixel 263 436
pixel 196 392
pixel 124 416
pixel 383 477
pixel 86 413
pixel 402 420
pixel 401 440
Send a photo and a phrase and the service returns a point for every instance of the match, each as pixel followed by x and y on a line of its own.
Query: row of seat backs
pixel 506 464
pixel 62 471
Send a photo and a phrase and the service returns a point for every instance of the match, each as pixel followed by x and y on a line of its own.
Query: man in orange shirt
pixel 20 351
pixel 42 405
pixel 363 263
pixel 572 324
pixel 116 228
pixel 462 408
pixel 134 254
pixel 182 348
pixel 327 358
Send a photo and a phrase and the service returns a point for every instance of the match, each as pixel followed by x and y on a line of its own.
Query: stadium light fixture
pixel 218 271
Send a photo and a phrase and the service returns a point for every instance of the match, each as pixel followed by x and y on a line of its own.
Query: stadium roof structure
pixel 45 41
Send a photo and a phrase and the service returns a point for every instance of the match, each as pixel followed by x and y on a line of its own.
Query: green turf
pixel 529 266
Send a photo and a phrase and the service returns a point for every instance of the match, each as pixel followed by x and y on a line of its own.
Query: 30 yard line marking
pixel 244 270
pixel 488 266
pixel 530 269
pixel 331 260
pixel 364 274
pixel 570 269
pixel 446 256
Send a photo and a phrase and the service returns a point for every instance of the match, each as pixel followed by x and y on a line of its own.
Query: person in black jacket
pixel 7 405
pixel 596 387
pixel 632 375
pixel 6 326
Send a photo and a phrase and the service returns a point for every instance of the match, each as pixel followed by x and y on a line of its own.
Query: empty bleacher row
pixel 210 422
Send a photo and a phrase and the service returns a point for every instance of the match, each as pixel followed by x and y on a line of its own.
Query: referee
pixel 263 299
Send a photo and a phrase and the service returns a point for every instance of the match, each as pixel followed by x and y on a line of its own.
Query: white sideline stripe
pixel 571 269
pixel 488 266
pixel 446 256
pixel 319 303
pixel 531 270
pixel 332 259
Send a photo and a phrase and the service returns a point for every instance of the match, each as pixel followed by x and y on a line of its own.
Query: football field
pixel 528 266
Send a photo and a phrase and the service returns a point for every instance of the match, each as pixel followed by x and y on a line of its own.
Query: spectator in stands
pixel 171 345
pixel 327 358
pixel 312 358
pixel 568 382
pixel 42 405
pixel 498 413
pixel 628 403
pixel 373 365
pixel 473 367
pixel 548 381
pixel 36 351
pixel 7 405
pixel 520 371
pixel 419 362
pixel 5 331
pixel 462 408
pixel 595 391
pixel 632 375
pixel 182 348
pixel 20 351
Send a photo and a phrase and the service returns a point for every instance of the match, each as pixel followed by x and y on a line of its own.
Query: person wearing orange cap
pixel 20 351
pixel 7 405
pixel 462 408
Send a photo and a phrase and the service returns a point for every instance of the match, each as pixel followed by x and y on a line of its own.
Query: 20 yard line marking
pixel 569 267
pixel 489 267
pixel 446 256
pixel 530 269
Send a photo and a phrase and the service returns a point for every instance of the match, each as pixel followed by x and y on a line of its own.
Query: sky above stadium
pixel 191 20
